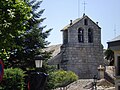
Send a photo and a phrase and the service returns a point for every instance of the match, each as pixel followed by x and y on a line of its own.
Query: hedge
pixel 13 79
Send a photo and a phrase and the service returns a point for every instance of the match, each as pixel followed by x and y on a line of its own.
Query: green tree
pixel 13 15
pixel 32 41
pixel 109 55
pixel 23 35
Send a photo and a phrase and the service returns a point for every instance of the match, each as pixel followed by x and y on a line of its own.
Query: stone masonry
pixel 85 55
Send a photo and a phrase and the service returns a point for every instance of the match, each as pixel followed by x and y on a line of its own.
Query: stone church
pixel 81 51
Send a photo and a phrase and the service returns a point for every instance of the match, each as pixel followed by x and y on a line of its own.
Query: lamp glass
pixel 38 63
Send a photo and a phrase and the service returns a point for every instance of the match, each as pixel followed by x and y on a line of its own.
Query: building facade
pixel 114 45
pixel 81 51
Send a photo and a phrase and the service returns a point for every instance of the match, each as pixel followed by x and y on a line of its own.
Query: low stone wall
pixel 84 84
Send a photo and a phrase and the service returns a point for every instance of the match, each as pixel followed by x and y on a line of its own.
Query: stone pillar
pixel 101 72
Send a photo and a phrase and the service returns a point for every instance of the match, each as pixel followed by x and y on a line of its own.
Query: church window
pixel 80 35
pixel 90 35
pixel 85 22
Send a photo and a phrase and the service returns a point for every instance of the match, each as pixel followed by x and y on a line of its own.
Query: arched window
pixel 90 35
pixel 85 22
pixel 80 35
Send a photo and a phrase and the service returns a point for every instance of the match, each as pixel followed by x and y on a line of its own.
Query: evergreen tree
pixel 33 41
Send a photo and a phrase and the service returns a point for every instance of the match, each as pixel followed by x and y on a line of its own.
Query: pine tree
pixel 33 41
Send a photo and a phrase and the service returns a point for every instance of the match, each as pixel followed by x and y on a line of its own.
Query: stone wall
pixel 82 58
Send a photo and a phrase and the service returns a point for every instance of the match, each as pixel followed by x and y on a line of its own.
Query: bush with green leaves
pixel 13 79
pixel 61 78
pixel 109 55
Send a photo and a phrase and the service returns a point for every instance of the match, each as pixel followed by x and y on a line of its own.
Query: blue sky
pixel 58 13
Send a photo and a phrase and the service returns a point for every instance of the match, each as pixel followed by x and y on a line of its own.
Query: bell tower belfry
pixel 82 51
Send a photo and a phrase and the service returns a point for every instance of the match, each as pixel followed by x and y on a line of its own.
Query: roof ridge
pixel 77 20
pixel 117 38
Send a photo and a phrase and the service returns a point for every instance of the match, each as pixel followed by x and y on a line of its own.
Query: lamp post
pixel 37 78
pixel 94 82
pixel 38 62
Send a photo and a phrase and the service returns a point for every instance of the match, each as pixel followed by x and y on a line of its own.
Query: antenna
pixel 84 6
pixel 78 8
pixel 114 30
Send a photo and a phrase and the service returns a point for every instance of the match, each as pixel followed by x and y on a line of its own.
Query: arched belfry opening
pixel 90 35
pixel 80 35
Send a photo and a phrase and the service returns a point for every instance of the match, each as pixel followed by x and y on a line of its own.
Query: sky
pixel 58 14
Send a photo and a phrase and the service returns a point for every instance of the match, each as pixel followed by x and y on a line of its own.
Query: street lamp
pixel 95 82
pixel 38 78
pixel 38 61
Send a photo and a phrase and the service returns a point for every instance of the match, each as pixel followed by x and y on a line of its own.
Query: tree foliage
pixel 25 36
pixel 13 79
pixel 34 38
pixel 13 15
pixel 109 55
pixel 22 35
pixel 61 78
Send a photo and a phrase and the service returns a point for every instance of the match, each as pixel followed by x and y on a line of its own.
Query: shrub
pixel 13 79
pixel 61 78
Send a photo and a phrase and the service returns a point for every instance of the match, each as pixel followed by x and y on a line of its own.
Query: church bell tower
pixel 82 51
